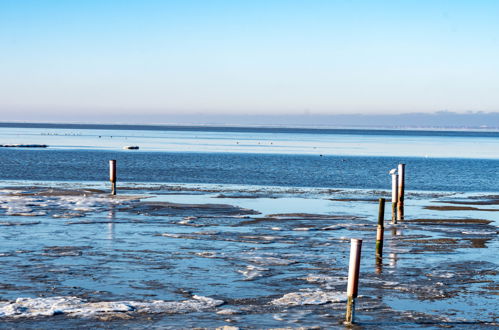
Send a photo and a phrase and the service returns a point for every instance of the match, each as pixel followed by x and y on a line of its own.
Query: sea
pixel 336 158
pixel 245 227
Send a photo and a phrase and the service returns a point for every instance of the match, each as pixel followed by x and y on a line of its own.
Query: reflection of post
pixel 392 259
pixel 110 231
pixel 401 191
pixel 392 256
pixel 394 197
pixel 112 176
pixel 110 225
pixel 353 278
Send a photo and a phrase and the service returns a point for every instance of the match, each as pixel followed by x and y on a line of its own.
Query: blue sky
pixel 248 57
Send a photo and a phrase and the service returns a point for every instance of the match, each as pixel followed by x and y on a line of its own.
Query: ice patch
pixel 271 261
pixel 336 280
pixel 76 307
pixel 58 203
pixel 441 275
pixel 303 229
pixel 477 232
pixel 251 272
pixel 228 311
pixel 317 297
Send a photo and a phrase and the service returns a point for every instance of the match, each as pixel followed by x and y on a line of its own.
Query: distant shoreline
pixel 370 130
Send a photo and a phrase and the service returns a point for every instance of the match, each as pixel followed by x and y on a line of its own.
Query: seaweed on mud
pixel 368 200
pixel 245 196
pixel 458 208
pixel 478 243
pixel 177 209
pixel 19 223
pixel 449 221
pixel 64 251
pixel 467 202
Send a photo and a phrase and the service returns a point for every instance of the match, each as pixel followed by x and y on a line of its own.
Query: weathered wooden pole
pixel 380 229
pixel 353 278
pixel 394 197
pixel 112 176
pixel 401 191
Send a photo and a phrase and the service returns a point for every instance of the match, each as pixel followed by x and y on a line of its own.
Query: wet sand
pixel 173 256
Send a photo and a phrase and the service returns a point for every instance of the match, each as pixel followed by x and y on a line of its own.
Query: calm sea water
pixel 223 238
pixel 436 160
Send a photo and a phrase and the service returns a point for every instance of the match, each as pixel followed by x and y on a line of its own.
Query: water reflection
pixel 111 215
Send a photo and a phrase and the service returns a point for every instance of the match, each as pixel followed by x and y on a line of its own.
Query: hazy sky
pixel 249 57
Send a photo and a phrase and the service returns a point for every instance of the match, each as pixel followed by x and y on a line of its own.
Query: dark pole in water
pixel 353 278
pixel 380 230
pixel 112 176
pixel 401 191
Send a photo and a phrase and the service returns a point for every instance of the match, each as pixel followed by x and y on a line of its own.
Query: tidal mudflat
pixel 187 255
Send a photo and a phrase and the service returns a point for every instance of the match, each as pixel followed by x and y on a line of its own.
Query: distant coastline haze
pixel 438 120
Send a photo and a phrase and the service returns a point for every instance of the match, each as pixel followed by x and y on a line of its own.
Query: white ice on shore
pixel 316 297
pixel 61 206
pixel 76 307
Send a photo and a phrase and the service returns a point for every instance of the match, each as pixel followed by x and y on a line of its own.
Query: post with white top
pixel 401 191
pixel 395 179
pixel 112 176
pixel 353 278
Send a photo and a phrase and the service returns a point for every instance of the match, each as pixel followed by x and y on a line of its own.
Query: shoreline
pixel 250 128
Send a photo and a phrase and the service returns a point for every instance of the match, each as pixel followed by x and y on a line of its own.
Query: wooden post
pixel 380 229
pixel 112 176
pixel 394 197
pixel 353 278
pixel 401 191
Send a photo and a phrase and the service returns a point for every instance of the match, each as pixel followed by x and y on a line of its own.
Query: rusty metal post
pixel 112 176
pixel 353 278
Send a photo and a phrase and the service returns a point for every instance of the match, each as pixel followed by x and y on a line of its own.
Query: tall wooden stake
pixel 112 176
pixel 353 278
pixel 380 229
pixel 394 197
pixel 401 191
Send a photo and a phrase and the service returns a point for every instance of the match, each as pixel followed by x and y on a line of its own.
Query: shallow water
pixel 287 269
pixel 244 239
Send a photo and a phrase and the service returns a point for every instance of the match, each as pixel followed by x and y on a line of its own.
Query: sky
pixel 281 57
